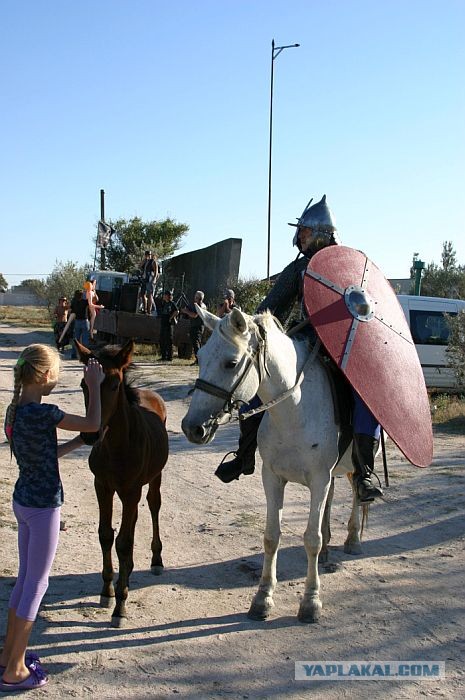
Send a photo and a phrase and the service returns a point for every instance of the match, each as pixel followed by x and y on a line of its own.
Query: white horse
pixel 297 438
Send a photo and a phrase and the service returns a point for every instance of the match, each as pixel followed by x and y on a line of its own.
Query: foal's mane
pixel 106 356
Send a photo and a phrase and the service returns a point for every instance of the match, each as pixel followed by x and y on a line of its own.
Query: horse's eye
pixel 231 364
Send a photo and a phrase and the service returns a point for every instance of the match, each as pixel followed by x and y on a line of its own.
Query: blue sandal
pixel 30 658
pixel 36 679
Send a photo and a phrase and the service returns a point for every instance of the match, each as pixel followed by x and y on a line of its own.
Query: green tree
pixel 34 286
pixel 132 237
pixel 64 280
pixel 249 293
pixel 447 279
pixel 456 347
pixel 3 282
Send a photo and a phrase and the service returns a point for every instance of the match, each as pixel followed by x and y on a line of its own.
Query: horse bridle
pixel 228 396
pixel 230 404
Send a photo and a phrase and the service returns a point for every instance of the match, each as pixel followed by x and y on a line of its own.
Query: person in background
pixel 92 303
pixel 60 314
pixel 149 270
pixel 80 309
pixel 196 326
pixel 168 317
pixel 30 427
pixel 229 303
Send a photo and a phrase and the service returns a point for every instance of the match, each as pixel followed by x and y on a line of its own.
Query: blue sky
pixel 165 105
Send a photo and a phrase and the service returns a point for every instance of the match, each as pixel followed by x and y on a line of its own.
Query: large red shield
pixel 357 317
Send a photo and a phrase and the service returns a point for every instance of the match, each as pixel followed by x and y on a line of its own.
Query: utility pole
pixel 102 218
pixel 275 51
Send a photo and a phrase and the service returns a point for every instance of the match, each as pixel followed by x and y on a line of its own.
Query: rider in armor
pixel 315 229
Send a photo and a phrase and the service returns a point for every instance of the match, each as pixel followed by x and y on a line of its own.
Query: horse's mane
pixel 105 355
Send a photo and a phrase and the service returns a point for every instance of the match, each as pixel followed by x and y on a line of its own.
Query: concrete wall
pixel 209 269
pixel 20 299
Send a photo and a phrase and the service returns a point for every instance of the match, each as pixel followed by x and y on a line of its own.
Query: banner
pixel 104 233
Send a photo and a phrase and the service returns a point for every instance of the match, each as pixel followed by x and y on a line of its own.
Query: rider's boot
pixel 363 458
pixel 244 461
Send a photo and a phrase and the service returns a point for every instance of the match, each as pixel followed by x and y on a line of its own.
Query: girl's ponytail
pixel 11 410
pixel 33 363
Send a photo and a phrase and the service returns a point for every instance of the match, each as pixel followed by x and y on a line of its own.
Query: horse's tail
pixel 365 512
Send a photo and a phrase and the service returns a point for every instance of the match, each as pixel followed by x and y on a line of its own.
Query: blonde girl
pixel 30 427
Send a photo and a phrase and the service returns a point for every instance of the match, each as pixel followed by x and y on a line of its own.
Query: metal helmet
pixel 319 218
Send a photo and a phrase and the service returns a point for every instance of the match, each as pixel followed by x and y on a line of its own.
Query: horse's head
pixel 228 373
pixel 114 361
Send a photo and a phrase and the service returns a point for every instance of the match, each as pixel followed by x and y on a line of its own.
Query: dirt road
pixel 188 634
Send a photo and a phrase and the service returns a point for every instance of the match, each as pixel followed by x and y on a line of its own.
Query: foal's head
pixel 115 360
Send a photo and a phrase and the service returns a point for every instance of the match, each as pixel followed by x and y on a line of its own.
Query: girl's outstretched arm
pixel 93 377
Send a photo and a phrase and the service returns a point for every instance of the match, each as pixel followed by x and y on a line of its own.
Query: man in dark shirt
pixel 196 327
pixel 168 316
pixel 80 308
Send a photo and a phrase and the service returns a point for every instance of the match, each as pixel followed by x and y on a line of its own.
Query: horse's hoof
pixel 309 612
pixel 119 622
pixel 260 611
pixel 352 548
pixel 157 570
pixel 106 601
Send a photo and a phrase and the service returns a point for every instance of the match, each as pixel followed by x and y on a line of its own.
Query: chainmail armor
pixel 287 288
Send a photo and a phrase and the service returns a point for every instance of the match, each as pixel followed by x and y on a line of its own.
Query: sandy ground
pixel 188 634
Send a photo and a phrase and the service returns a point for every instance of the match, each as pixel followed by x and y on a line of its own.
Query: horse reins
pixel 288 392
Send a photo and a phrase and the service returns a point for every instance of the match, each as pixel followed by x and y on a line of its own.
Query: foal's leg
pixel 106 536
pixel 326 524
pixel 125 552
pixel 352 544
pixel 262 601
pixel 154 501
pixel 310 607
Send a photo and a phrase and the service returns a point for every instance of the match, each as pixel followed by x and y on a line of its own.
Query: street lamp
pixel 275 51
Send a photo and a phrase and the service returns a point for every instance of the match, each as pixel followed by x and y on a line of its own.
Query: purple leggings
pixel 38 532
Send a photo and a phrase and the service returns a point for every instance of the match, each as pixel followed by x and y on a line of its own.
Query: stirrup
pixel 227 472
pixel 369 498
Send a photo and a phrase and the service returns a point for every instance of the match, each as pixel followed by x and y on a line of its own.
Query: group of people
pixel 76 320
pixel 169 314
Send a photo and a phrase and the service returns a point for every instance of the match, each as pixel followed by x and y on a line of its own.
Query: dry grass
pixel 26 316
pixel 448 412
pixel 38 317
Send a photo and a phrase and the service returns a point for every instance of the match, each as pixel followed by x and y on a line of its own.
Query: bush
pixel 249 292
pixel 456 348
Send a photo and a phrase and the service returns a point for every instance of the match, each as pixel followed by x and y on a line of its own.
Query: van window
pixel 429 327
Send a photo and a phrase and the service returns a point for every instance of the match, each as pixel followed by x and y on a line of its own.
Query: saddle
pixel 343 401
pixel 341 390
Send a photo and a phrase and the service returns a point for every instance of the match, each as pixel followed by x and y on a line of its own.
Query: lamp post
pixel 275 51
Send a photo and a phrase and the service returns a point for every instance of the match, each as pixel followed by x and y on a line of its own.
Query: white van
pixel 430 333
